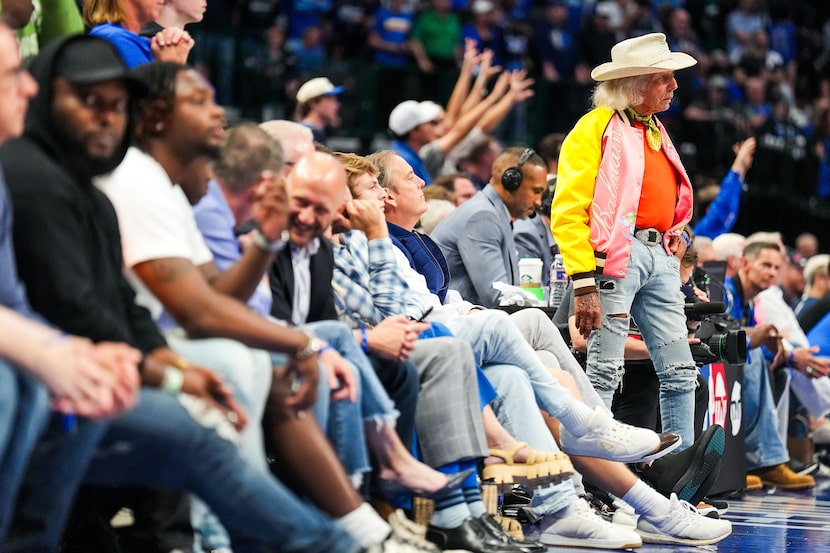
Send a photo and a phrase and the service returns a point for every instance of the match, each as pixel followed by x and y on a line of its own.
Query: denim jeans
pixel 495 340
pixel 550 347
pixel 24 413
pixel 764 447
pixel 518 414
pixel 248 371
pixel 650 292
pixel 345 420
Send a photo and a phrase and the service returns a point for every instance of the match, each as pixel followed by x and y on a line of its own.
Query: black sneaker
pixel 690 473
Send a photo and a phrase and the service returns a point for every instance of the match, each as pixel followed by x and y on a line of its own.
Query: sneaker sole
pixel 665 539
pixel 588 543
pixel 538 473
pixel 704 468
pixel 654 454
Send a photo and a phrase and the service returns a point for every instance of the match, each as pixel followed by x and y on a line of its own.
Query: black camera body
pixel 718 335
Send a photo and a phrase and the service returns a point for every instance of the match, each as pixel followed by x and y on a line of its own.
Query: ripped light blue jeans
pixel 649 292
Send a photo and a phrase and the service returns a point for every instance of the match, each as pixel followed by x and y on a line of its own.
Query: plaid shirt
pixel 368 285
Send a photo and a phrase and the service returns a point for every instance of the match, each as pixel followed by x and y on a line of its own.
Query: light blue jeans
pixel 495 340
pixel 345 420
pixel 764 447
pixel 650 292
pixel 517 412
pixel 24 412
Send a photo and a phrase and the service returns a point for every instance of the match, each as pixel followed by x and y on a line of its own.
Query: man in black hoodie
pixel 69 254
pixel 37 361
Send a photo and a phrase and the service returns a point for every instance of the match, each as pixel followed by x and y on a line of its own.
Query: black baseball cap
pixel 86 59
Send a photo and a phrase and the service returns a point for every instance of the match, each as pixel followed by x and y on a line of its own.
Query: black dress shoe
pixel 496 530
pixel 469 536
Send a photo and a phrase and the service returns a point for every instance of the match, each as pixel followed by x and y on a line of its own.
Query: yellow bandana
pixel 653 136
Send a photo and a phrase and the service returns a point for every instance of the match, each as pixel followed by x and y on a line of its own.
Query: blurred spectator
pixel 389 39
pixel 437 209
pixel 741 22
pixel 755 109
pixel 458 185
pixel 713 125
pixel 214 53
pixel 318 106
pixel 597 37
pixel 821 149
pixel 436 45
pixel 478 163
pixel 558 47
pixel 806 244
pixel 483 29
pixel 680 34
pixel 720 215
pixel 351 27
pixel 270 74
pixel 311 52
pixel 817 282
pixel 642 20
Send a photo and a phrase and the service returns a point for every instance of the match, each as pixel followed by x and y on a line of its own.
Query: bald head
pixel 316 192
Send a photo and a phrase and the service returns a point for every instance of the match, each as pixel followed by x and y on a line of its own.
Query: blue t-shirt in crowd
pixel 135 49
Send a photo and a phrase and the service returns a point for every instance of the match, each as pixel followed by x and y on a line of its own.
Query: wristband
pixel 172 380
pixel 685 238
pixel 364 340
pixel 791 361
pixel 324 349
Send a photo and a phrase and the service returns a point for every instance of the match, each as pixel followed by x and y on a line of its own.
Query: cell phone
pixel 425 315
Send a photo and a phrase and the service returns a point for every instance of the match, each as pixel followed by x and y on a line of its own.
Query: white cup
pixel 530 272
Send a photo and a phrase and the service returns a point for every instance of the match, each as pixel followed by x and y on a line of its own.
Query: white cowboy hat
pixel 641 55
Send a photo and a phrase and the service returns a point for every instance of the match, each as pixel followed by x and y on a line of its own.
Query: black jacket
pixel 281 275
pixel 66 237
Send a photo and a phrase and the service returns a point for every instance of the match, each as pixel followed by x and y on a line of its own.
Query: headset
pixel 511 179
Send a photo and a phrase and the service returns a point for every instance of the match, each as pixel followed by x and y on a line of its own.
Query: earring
pixel 159 126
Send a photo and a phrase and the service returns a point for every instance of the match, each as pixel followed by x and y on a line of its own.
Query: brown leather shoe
pixel 753 482
pixel 782 476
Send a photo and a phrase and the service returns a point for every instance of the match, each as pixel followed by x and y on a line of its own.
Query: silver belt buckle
pixel 648 236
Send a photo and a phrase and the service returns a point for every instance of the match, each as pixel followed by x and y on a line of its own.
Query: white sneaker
pixel 579 526
pixel 609 439
pixel 683 525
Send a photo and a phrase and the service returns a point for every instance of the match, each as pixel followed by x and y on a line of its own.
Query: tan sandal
pixel 512 527
pixel 538 468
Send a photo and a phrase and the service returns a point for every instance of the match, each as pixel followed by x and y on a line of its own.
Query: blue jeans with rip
pixel 649 292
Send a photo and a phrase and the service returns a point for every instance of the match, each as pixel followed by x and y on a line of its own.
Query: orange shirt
pixel 658 197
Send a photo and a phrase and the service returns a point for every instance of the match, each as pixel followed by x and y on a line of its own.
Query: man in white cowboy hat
pixel 622 201
pixel 318 106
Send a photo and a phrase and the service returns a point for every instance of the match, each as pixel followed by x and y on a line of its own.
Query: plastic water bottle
pixel 558 281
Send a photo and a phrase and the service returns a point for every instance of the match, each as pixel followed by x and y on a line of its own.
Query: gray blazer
pixel 534 239
pixel 477 240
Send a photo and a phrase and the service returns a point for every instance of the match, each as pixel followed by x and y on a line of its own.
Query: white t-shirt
pixel 156 221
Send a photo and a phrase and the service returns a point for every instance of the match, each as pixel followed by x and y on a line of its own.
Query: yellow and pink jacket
pixel 598 189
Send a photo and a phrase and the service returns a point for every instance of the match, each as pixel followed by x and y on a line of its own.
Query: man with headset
pixel 477 237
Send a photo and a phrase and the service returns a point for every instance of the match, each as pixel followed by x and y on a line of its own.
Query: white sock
pixel 576 417
pixel 646 500
pixel 365 525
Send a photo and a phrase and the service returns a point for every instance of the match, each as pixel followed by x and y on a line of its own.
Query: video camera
pixel 719 333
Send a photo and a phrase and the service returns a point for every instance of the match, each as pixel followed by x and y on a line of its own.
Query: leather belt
pixel 648 236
